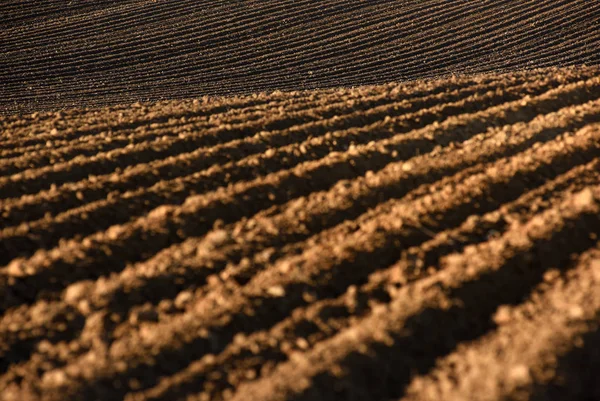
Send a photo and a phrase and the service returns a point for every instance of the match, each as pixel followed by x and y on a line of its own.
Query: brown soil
pixel 57 53
pixel 436 240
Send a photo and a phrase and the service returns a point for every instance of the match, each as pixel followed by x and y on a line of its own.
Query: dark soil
pixel 56 54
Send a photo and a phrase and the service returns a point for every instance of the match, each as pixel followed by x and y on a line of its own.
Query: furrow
pixel 520 9
pixel 343 202
pixel 104 162
pixel 145 175
pixel 272 232
pixel 548 325
pixel 381 38
pixel 19 13
pixel 53 151
pixel 282 186
pixel 174 11
pixel 168 114
pixel 274 159
pixel 217 313
pixel 293 116
pixel 245 357
pixel 461 299
pixel 162 41
pixel 147 116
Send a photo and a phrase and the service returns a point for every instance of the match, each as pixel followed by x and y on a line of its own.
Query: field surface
pixel 57 53
pixel 435 240
pixel 299 200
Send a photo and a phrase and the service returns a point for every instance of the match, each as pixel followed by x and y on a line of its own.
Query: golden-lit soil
pixel 435 240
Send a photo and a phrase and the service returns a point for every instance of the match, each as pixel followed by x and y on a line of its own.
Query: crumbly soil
pixel 436 240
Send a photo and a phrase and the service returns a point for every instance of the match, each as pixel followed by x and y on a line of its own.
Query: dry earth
pixel 432 240
pixel 436 239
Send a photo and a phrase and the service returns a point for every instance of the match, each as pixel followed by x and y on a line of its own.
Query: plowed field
pixel 435 240
pixel 57 53
pixel 300 200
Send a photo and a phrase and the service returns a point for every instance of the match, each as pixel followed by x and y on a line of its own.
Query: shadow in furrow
pixel 335 280
pixel 226 152
pixel 330 315
pixel 383 372
pixel 576 373
pixel 171 285
pixel 132 125
pixel 19 346
pixel 293 186
pixel 129 126
pixel 256 198
pixel 223 134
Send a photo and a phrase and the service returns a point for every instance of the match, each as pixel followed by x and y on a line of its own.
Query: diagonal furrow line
pixel 164 115
pixel 386 38
pixel 464 293
pixel 383 38
pixel 267 12
pixel 256 197
pixel 102 18
pixel 89 146
pixel 514 112
pixel 374 64
pixel 145 175
pixel 186 41
pixel 353 32
pixel 217 112
pixel 365 107
pixel 163 112
pixel 488 42
pixel 19 12
pixel 210 135
pixel 541 328
pixel 274 144
pixel 163 40
pixel 377 65
pixel 574 369
pixel 122 294
pixel 271 231
pixel 278 154
pixel 98 120
pixel 107 161
pixel 214 311
pixel 323 319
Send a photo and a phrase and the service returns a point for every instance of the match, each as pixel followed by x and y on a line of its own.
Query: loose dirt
pixel 298 200
pixel 433 240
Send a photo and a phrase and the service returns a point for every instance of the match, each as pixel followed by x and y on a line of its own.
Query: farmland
pixel 59 54
pixel 382 200
pixel 291 245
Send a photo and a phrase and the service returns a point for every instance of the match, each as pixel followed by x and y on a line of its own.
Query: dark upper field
pixel 57 54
